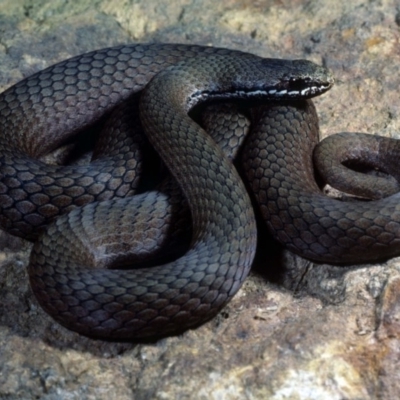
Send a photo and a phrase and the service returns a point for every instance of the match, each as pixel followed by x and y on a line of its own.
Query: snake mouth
pixel 284 90
pixel 300 88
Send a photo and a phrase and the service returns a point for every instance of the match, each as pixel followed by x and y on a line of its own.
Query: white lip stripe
pixel 271 92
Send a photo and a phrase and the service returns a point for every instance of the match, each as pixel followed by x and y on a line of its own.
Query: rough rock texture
pixel 296 330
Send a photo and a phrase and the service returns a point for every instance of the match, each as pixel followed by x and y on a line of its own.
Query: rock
pixel 296 330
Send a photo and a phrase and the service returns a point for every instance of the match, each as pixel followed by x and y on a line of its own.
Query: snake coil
pixel 82 217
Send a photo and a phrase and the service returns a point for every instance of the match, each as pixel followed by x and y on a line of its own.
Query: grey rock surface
pixel 296 330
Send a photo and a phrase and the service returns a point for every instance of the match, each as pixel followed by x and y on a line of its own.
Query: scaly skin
pixel 45 110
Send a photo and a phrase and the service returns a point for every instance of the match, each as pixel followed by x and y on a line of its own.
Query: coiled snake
pixel 38 201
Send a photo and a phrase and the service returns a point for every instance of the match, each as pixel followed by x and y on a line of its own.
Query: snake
pixel 66 209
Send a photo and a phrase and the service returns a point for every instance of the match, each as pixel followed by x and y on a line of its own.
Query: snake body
pixel 49 108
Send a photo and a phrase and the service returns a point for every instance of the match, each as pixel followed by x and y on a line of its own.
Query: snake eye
pixel 298 84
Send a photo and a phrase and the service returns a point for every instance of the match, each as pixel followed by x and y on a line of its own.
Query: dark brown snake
pixel 50 108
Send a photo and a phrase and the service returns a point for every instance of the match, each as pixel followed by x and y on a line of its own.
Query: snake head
pixel 299 79
pixel 245 76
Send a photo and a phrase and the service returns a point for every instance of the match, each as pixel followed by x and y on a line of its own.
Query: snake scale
pixel 83 216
